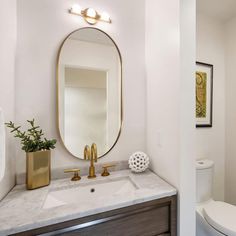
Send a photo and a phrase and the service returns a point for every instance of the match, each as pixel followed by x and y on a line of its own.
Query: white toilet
pixel 213 218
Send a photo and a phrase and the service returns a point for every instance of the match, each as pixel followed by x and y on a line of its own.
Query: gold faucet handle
pixel 105 169
pixel 76 176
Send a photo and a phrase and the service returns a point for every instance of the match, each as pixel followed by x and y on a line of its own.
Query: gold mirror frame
pixel 58 94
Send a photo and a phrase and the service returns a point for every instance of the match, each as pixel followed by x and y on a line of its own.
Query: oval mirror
pixel 89 91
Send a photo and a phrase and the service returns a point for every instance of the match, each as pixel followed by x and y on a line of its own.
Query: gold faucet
pixel 92 156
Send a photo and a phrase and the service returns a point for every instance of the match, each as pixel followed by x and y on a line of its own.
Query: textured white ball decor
pixel 138 162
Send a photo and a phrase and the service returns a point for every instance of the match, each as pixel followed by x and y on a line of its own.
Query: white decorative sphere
pixel 138 162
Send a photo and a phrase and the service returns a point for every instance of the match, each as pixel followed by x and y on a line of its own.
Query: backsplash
pixel 59 172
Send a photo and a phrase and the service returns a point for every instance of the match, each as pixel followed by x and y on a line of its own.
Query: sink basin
pixel 89 193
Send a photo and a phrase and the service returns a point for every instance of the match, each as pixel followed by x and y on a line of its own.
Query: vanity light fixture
pixel 90 15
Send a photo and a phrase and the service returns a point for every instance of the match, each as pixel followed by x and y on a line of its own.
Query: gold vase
pixel 38 169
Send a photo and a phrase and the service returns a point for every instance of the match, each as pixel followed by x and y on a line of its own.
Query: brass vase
pixel 38 169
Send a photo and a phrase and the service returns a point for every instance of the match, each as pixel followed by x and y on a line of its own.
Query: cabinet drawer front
pixel 149 222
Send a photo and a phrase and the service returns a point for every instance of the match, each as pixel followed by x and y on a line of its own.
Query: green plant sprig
pixel 31 140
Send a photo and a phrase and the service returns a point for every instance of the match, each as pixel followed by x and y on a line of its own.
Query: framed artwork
pixel 204 94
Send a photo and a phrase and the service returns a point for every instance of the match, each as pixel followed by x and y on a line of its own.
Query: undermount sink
pixel 90 192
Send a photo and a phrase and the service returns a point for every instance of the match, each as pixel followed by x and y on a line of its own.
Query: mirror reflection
pixel 89 91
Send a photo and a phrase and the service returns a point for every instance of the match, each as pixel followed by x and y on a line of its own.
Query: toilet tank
pixel 204 180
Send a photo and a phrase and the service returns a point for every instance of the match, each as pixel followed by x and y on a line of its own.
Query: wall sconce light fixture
pixel 90 15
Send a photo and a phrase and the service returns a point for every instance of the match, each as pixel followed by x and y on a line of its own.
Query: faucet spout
pixel 94 153
pixel 92 156
pixel 87 154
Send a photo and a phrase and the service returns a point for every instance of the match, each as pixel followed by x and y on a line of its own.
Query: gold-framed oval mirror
pixel 89 91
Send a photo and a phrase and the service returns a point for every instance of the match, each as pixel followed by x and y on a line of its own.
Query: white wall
pixel 230 62
pixel 210 142
pixel 7 69
pixel 42 26
pixel 187 189
pixel 170 63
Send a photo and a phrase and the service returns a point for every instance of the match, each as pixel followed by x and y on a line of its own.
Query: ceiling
pixel 223 10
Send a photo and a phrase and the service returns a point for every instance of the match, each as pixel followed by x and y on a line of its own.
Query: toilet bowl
pixel 213 218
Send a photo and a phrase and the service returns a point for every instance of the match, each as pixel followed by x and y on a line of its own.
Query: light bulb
pixel 76 9
pixel 91 13
pixel 105 17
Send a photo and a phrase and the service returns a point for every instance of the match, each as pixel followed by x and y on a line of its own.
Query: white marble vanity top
pixel 23 210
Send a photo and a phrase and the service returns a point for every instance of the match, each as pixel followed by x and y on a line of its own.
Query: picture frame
pixel 204 94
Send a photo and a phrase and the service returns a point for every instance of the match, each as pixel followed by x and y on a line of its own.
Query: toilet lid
pixel 221 216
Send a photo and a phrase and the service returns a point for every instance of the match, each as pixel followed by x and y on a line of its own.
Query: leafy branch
pixel 31 140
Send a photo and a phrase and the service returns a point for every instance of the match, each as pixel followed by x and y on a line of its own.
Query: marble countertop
pixel 23 210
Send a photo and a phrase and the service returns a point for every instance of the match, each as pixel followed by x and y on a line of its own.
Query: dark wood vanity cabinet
pixel 156 217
